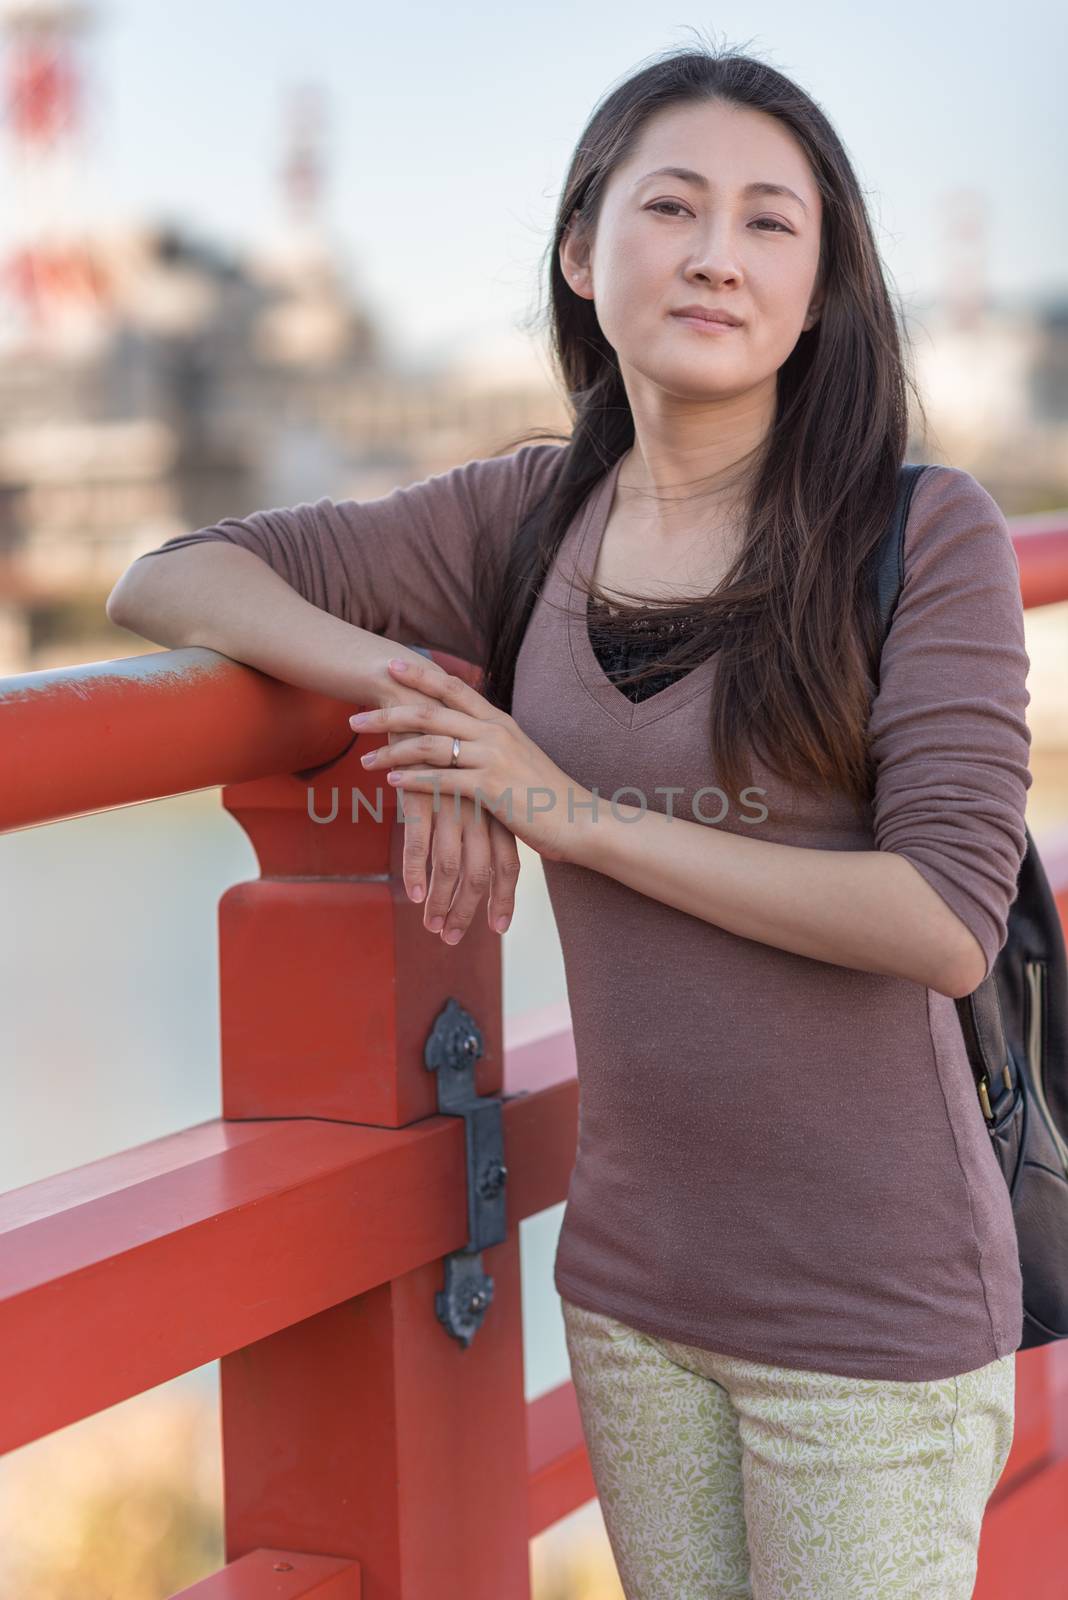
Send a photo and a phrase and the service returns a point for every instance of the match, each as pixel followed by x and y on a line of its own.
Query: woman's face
pixel 662 242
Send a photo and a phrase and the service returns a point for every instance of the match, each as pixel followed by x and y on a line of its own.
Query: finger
pixel 396 744
pixel 420 716
pixel 446 858
pixel 504 857
pixel 443 784
pixel 451 690
pixel 418 820
pixel 417 824
pixel 475 874
pixel 423 750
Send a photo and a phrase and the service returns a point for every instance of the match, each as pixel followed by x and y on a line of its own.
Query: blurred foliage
pixel 68 620
pixel 127 1505
pixel 573 1560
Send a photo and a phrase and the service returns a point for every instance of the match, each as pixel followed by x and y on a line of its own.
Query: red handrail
pixel 299 1238
pixel 157 1250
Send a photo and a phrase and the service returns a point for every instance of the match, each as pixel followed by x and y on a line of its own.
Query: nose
pixel 716 256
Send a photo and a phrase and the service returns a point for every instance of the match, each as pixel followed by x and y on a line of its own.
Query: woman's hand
pixel 471 855
pixel 499 767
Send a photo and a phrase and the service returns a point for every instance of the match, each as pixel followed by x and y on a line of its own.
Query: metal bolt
pixel 493 1178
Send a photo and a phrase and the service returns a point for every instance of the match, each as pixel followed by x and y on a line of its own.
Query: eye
pixel 675 207
pixel 659 204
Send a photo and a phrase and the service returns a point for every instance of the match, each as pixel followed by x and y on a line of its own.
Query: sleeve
pixel 948 727
pixel 402 565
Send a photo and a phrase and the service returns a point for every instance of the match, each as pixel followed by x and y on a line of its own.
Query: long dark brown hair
pixel 796 662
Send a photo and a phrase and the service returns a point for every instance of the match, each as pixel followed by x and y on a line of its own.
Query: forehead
pixel 728 145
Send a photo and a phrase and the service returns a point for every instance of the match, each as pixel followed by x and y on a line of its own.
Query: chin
pixel 697 378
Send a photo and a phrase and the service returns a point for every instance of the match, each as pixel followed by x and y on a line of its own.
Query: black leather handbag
pixel 1015 1027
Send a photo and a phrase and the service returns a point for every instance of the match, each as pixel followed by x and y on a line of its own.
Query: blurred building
pixel 151 383
pixel 996 393
pixel 219 387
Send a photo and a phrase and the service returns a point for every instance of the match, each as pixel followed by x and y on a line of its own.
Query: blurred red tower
pixel 53 288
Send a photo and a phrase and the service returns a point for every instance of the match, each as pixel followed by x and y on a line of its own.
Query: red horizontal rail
pixel 279 1575
pixel 559 1474
pixel 1041 545
pixel 165 723
pixel 150 726
pixel 129 1271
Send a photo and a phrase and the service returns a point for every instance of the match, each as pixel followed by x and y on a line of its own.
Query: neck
pixel 666 482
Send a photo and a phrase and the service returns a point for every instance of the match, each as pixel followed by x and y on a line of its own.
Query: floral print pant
pixel 728 1479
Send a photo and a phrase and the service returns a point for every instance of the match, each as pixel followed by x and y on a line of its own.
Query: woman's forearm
pixel 868 909
pixel 227 599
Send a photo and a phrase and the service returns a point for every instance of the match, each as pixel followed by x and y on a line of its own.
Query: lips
pixel 706 327
pixel 705 314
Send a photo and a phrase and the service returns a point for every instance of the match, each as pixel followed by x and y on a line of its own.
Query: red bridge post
pixel 367 1431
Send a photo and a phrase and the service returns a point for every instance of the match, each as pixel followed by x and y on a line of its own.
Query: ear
pixel 576 261
pixel 812 315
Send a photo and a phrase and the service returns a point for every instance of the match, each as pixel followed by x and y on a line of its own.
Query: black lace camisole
pixel 644 643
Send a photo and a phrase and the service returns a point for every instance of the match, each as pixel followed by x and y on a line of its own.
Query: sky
pixel 449 132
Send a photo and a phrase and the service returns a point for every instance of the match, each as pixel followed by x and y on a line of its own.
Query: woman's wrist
pixel 368 674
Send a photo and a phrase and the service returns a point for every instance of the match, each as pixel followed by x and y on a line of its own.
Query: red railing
pixel 303 1238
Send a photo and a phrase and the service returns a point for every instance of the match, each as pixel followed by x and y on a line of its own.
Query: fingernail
pixel 453 936
pixel 417 892
pixel 401 666
pixel 436 924
pixel 502 923
pixel 358 720
pixel 365 761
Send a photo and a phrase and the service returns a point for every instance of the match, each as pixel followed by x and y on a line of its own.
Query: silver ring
pixel 455 762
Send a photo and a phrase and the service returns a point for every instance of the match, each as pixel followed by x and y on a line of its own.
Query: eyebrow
pixel 701 182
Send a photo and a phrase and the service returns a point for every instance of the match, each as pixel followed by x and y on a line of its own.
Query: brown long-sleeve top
pixel 778 1157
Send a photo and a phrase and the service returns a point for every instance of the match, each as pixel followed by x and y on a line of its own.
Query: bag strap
pixel 890 556
pixel 979 1012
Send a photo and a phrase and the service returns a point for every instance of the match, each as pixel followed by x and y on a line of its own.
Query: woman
pixel 788 1263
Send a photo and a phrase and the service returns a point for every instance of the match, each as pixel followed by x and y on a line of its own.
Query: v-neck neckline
pixel 587 667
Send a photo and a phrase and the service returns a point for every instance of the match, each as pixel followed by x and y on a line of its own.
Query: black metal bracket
pixel 452 1049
